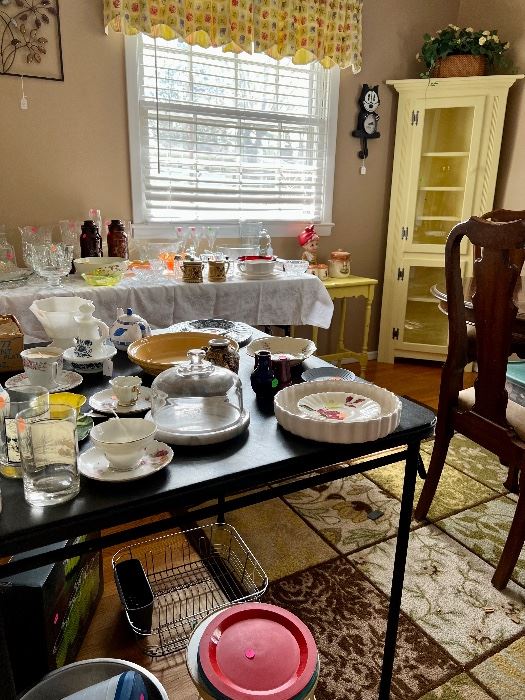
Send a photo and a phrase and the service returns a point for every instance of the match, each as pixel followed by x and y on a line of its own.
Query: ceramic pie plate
pixel 155 353
pixel 292 418
pixel 339 407
pixel 295 349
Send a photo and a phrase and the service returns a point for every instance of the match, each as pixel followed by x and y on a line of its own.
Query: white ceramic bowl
pixel 86 266
pixel 295 349
pixel 291 418
pixel 123 445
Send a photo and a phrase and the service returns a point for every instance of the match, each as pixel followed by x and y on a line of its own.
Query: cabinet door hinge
pixel 415 118
pixel 395 333
pixel 400 273
pixel 404 233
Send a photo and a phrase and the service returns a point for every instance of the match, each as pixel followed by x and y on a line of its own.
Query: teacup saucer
pixel 67 380
pixel 95 465
pixel 105 401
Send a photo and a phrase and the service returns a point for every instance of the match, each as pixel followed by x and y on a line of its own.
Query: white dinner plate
pixel 94 465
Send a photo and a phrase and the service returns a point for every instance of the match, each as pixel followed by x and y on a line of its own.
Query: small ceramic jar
pixel 339 264
pixel 320 270
pixel 220 353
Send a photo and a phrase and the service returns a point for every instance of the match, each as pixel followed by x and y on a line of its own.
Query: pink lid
pixel 258 651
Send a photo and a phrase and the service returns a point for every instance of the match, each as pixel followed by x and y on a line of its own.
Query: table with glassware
pixel 264 461
pixel 164 300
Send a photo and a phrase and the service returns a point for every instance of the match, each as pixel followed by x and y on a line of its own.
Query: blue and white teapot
pixel 127 328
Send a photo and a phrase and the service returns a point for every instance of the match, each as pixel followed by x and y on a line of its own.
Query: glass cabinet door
pixel 442 185
pixel 420 323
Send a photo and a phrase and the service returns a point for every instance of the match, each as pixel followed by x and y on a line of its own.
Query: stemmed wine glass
pixel 52 261
pixel 70 231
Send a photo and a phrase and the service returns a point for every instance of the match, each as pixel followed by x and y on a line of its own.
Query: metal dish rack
pixel 192 574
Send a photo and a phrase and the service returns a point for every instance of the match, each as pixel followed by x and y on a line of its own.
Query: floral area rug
pixel 459 638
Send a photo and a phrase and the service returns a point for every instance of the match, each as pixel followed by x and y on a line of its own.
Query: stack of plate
pixel 253 650
pixel 338 411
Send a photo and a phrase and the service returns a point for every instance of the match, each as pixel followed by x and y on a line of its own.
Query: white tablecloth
pixel 163 301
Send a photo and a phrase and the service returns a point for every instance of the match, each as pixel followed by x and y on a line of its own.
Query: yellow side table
pixel 344 289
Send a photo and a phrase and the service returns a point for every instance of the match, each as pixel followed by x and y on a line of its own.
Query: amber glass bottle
pixel 90 240
pixel 117 240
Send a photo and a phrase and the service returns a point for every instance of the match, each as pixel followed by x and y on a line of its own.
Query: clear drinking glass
pixel 20 399
pixel 48 445
pixel 70 231
pixel 52 261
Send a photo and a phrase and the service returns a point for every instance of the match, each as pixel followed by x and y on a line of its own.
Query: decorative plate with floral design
pixel 339 406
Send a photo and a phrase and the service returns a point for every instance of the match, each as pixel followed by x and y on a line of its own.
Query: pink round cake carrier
pixel 253 651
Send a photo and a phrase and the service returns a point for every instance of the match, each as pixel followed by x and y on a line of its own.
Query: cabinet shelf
pixel 441 189
pixel 438 218
pixel 445 154
pixel 430 300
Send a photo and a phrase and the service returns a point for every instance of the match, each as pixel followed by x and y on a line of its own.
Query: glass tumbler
pixel 20 399
pixel 48 445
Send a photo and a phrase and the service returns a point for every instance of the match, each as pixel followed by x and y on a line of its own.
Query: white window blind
pixel 222 137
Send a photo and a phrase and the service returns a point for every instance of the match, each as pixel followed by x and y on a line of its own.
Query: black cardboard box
pixel 47 612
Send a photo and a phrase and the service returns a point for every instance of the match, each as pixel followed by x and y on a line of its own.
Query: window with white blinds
pixel 222 137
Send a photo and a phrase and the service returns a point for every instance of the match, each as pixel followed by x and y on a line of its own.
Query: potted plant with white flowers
pixel 454 52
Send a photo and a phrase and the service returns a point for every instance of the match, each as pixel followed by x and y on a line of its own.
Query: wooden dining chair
pixel 482 413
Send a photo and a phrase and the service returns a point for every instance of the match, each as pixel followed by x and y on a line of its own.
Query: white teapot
pixel 91 333
pixel 127 328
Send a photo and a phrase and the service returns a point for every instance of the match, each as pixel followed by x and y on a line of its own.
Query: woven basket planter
pixel 459 66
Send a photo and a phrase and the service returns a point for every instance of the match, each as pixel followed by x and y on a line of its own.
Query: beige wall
pixel 69 151
pixel 508 17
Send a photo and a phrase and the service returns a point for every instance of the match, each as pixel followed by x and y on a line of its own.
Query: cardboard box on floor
pixel 11 344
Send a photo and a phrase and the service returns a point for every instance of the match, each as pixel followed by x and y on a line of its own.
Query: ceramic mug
pixel 126 389
pixel 43 365
pixel 217 270
pixel 192 271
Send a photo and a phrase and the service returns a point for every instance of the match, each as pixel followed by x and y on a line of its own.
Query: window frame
pixel 230 228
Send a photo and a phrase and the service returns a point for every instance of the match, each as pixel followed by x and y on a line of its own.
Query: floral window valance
pixel 328 31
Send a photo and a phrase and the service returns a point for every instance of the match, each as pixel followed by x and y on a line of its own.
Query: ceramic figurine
pixel 127 328
pixel 309 242
pixel 220 353
pixel 91 333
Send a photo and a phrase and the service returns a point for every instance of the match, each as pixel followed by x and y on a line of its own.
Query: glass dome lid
pixel 196 397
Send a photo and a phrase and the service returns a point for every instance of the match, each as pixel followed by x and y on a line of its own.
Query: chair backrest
pixel 500 257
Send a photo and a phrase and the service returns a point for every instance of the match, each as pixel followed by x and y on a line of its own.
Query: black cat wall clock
pixel 367 118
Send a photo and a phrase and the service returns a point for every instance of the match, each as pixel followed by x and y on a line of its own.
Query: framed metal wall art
pixel 30 42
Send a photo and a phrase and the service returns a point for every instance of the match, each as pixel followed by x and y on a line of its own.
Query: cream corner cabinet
pixel 448 139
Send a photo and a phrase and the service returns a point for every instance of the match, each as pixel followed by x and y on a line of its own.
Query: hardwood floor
pixel 109 634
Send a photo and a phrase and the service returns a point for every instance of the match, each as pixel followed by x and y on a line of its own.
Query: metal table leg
pixel 396 590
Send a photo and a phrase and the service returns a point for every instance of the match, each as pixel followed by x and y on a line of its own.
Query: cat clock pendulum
pixel 367 119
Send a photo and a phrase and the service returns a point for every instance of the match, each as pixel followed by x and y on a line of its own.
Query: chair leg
pixel 512 481
pixel 513 546
pixel 442 440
